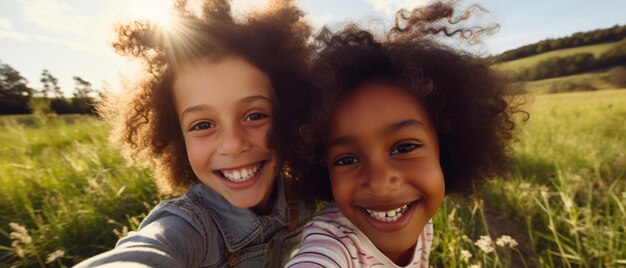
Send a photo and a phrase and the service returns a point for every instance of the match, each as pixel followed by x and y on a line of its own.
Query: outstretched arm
pixel 168 241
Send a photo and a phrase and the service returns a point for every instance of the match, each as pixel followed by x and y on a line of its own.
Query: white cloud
pixel 319 21
pixel 54 16
pixel 382 5
pixel 14 35
pixel 48 39
pixel 390 7
pixel 5 24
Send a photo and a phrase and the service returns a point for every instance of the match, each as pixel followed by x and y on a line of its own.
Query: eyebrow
pixel 254 98
pixel 203 107
pixel 340 141
pixel 193 109
pixel 400 125
pixel 389 129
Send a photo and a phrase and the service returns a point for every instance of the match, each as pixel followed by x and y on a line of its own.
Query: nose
pixel 233 140
pixel 381 177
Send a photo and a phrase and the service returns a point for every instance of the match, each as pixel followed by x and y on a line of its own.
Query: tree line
pixel 16 97
pixel 573 64
pixel 599 36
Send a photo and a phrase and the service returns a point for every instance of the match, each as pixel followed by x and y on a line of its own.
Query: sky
pixel 73 37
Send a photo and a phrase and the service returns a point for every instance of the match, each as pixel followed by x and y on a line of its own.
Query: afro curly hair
pixel 465 99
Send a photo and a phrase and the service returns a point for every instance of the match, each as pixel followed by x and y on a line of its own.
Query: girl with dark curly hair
pixel 214 89
pixel 395 121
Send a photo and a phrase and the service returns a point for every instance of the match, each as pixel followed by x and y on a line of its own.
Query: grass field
pixel 565 201
pixel 64 189
pixel 520 64
pixel 65 194
pixel 597 80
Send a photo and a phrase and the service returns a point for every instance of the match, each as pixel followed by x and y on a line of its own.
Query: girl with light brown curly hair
pixel 215 92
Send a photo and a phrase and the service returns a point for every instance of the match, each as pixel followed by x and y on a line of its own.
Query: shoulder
pixel 186 215
pixel 328 240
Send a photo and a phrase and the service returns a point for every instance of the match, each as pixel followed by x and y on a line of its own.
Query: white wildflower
pixel 122 233
pixel 474 266
pixel 20 237
pixel 506 240
pixel 452 215
pixel 466 238
pixel 485 244
pixel 20 234
pixel 465 255
pixel 93 184
pixel 544 191
pixel 20 252
pixel 567 201
pixel 55 255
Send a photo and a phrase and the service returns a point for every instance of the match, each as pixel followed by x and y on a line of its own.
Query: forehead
pixel 373 107
pixel 209 69
pixel 209 81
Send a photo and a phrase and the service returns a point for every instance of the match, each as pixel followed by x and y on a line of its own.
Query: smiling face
pixel 225 112
pixel 383 162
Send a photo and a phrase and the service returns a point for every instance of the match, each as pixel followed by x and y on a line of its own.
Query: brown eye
pixel 256 117
pixel 404 148
pixel 346 160
pixel 202 125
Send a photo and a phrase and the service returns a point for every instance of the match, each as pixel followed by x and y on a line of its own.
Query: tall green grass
pixel 64 190
pixel 66 194
pixel 565 201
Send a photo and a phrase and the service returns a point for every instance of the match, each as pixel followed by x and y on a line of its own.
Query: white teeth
pixel 240 175
pixel 388 216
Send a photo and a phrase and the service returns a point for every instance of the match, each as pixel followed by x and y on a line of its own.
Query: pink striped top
pixel 331 240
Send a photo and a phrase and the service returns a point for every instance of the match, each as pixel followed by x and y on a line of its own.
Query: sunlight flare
pixel 157 12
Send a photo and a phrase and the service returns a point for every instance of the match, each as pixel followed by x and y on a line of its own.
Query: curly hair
pixel 464 98
pixel 145 121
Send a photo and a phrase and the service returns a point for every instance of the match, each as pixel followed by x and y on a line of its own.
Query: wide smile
pixel 389 217
pixel 242 174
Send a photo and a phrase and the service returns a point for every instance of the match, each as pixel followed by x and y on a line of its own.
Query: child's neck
pixel 401 258
pixel 267 204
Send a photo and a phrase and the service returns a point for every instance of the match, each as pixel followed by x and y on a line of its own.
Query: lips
pixel 241 174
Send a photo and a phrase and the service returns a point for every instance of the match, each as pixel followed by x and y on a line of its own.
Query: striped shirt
pixel 331 240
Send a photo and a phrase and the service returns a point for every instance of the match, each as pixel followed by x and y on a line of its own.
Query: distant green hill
pixel 578 68
pixel 520 64
pixel 578 82
pixel 594 37
pixel 581 68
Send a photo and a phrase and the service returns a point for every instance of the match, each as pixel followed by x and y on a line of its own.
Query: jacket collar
pixel 239 226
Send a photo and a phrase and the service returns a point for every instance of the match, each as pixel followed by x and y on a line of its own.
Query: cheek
pixel 430 178
pixel 258 135
pixel 343 187
pixel 198 151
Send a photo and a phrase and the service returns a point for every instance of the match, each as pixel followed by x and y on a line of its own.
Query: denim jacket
pixel 202 229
